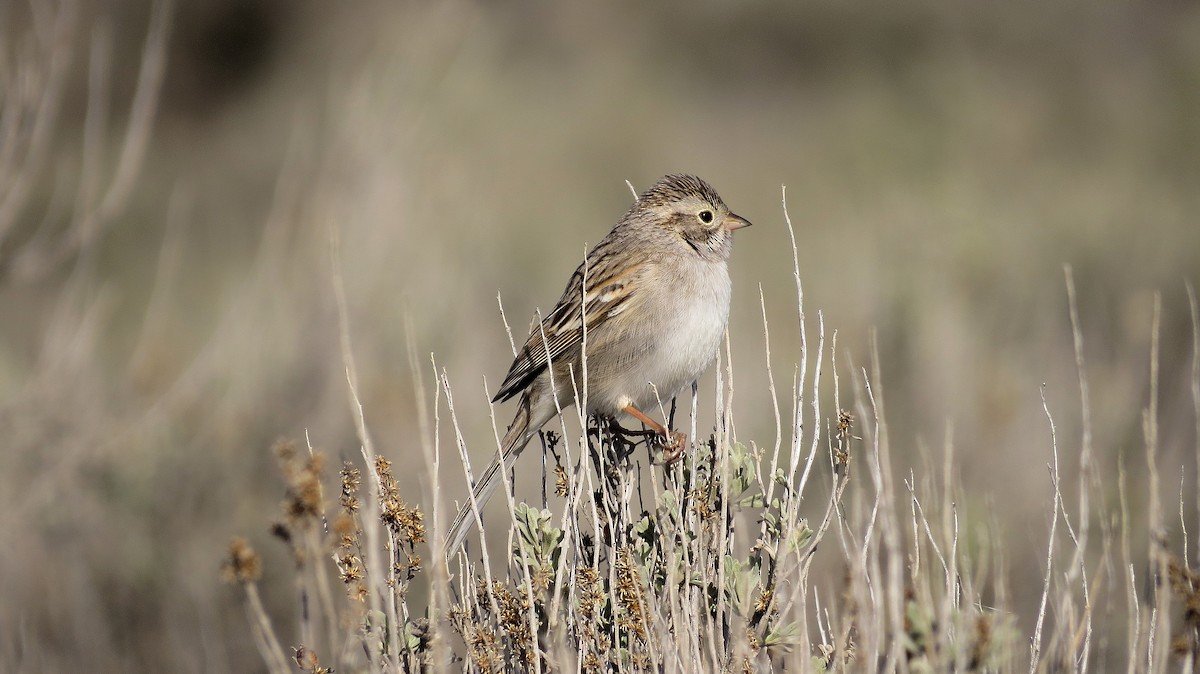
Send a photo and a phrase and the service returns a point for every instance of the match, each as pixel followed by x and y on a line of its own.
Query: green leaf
pixel 740 582
pixel 751 501
pixel 800 536
pixel 667 505
pixel 783 635
pixel 536 536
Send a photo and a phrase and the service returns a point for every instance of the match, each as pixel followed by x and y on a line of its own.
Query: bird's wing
pixel 610 290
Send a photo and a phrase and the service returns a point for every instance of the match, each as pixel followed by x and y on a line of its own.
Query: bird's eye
pixel 706 216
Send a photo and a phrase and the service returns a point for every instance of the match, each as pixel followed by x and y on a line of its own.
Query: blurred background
pixel 167 310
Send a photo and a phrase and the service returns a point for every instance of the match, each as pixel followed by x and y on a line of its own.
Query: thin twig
pixel 1035 647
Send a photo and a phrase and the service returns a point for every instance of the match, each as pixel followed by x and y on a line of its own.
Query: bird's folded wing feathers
pixel 609 292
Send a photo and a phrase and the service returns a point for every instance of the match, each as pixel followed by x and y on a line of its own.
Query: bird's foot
pixel 673 445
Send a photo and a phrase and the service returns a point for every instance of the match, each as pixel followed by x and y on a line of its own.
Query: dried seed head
pixel 242 564
pixel 409 523
pixel 304 503
pixel 560 481
pixel 305 659
pixel 346 529
pixel 351 479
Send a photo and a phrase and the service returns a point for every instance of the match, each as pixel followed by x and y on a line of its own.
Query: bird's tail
pixel 520 432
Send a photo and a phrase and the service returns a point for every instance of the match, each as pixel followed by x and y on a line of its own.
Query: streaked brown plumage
pixel 653 299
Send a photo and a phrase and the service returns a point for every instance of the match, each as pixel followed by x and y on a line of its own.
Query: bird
pixel 651 303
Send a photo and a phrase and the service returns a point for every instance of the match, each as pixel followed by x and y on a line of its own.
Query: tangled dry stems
pixel 707 565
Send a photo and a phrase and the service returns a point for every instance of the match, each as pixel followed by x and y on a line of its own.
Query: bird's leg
pixel 674 442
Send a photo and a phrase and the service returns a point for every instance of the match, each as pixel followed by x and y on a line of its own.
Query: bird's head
pixel 689 208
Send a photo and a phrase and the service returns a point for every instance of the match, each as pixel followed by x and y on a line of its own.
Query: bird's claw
pixel 673 445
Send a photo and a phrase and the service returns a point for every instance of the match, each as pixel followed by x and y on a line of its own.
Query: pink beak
pixel 734 221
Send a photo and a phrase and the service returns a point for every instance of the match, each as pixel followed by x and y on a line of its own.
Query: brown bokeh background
pixel 943 160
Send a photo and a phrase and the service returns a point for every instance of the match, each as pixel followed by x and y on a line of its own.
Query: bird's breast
pixel 691 332
pixel 686 317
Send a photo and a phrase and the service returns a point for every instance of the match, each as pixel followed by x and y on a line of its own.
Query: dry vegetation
pixel 706 565
pixel 220 221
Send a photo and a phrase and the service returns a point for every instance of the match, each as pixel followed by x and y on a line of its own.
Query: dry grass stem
pixel 710 564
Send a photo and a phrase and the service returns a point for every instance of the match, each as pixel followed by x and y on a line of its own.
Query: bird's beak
pixel 734 221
